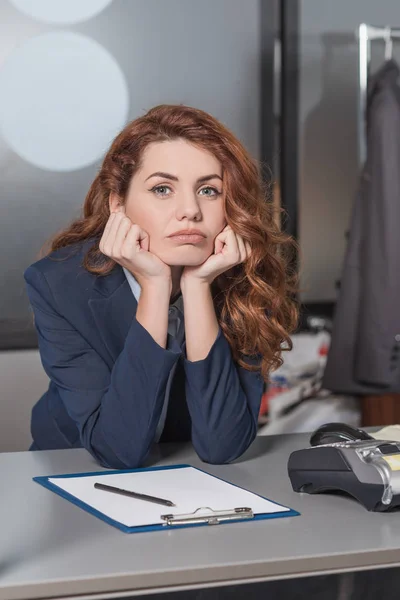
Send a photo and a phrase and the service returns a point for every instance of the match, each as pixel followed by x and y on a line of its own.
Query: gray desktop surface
pixel 50 548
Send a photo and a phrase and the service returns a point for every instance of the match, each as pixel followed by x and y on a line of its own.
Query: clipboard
pixel 207 516
pixel 78 489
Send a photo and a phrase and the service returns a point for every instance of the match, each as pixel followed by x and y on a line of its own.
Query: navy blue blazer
pixel 108 375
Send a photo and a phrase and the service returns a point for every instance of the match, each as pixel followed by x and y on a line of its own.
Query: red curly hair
pixel 255 301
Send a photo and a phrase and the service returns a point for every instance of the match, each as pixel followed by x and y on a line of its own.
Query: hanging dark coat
pixel 365 351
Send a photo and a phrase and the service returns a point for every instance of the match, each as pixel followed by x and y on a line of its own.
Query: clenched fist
pixel 128 245
pixel 229 250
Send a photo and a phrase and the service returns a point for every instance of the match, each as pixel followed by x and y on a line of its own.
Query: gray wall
pixel 176 51
pixel 23 381
pixel 328 130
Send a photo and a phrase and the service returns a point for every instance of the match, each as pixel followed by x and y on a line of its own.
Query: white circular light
pixel 63 98
pixel 61 11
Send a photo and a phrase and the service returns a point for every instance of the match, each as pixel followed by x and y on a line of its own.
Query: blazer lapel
pixel 113 307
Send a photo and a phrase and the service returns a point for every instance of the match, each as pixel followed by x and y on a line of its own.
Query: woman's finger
pixel 131 243
pixel 144 240
pixel 229 244
pixel 106 231
pixel 218 245
pixel 108 243
pixel 115 224
pixel 232 246
pixel 120 235
pixel 221 240
pixel 241 247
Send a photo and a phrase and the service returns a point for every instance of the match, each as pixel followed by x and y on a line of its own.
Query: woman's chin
pixel 186 256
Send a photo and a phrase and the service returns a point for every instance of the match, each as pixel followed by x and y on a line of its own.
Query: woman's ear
pixel 115 203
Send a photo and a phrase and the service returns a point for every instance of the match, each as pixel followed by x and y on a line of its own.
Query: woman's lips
pixel 187 238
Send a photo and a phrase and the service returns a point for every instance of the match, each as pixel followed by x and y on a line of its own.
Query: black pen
pixel 110 488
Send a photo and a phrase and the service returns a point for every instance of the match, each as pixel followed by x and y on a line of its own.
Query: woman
pixel 174 224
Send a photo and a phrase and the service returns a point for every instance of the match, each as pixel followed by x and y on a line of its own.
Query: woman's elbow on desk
pixel 222 450
pixel 113 456
pixel 111 461
pixel 222 456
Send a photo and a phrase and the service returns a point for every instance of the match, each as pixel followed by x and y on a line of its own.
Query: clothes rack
pixel 383 409
pixel 366 35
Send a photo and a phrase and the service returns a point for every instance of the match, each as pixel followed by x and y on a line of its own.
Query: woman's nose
pixel 188 208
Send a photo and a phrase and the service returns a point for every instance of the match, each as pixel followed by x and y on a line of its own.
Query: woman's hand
pixel 128 245
pixel 229 250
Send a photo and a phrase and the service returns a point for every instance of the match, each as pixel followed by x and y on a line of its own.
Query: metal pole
pixel 363 62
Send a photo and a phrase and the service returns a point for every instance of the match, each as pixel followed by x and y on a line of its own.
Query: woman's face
pixel 176 196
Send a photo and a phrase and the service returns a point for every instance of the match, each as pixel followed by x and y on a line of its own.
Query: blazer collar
pixel 113 307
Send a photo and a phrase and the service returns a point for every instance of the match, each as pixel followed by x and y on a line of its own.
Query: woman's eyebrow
pixel 175 178
pixel 163 175
pixel 208 177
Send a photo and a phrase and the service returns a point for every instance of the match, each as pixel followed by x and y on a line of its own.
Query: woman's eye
pixel 161 190
pixel 209 191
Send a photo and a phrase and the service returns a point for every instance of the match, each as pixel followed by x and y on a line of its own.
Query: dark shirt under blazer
pixel 108 375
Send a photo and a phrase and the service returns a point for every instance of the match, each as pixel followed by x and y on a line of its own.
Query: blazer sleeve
pixel 224 402
pixel 117 411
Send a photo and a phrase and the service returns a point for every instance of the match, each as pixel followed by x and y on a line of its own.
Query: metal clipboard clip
pixel 212 517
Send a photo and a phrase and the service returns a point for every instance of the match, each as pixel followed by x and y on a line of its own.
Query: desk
pixel 51 548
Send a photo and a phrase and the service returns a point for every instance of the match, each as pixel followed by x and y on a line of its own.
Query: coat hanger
pixel 388 43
